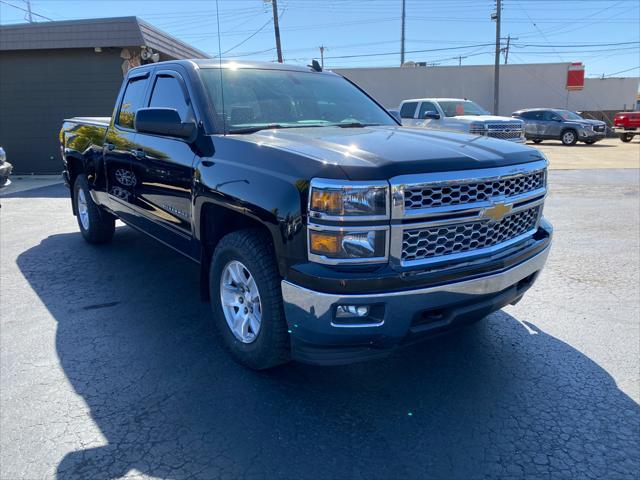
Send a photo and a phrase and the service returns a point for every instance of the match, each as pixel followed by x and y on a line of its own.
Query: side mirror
pixel 432 115
pixel 163 121
pixel 395 114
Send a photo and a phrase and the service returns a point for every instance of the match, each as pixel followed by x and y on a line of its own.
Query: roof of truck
pixel 234 64
pixel 214 63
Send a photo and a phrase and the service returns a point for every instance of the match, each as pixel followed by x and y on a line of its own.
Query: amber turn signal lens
pixel 322 242
pixel 326 201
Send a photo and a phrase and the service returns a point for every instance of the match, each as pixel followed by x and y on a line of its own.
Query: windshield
pixel 454 108
pixel 567 115
pixel 256 99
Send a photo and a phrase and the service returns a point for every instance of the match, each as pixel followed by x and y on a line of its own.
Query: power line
pixel 27 10
pixel 622 71
pixel 409 51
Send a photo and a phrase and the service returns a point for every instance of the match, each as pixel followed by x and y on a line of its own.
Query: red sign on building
pixel 575 76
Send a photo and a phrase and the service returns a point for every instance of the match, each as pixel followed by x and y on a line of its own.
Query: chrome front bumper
pixel 312 319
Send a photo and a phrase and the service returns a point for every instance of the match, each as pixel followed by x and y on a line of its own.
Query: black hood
pixel 383 152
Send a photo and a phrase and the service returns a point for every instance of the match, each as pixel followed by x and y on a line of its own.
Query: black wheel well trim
pixel 232 220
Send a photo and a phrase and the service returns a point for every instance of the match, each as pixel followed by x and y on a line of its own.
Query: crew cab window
pixel 425 108
pixel 408 109
pixel 168 93
pixel 131 101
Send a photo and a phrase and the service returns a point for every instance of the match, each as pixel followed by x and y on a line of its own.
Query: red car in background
pixel 626 125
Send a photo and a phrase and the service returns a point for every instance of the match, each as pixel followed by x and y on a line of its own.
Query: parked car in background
pixel 626 125
pixel 459 115
pixel 557 124
pixel 5 169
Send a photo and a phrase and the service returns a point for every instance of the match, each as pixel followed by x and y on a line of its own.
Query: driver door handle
pixel 139 153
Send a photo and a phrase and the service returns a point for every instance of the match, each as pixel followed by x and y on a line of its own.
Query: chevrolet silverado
pixel 325 232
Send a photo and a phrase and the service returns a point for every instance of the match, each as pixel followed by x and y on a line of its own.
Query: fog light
pixel 345 311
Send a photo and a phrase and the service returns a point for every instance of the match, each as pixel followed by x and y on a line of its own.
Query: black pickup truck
pixel 325 232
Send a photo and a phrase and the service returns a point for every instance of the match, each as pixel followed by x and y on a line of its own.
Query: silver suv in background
pixel 557 124
pixel 459 115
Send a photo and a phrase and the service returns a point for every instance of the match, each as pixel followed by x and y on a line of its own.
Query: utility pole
pixel 460 60
pixel 506 50
pixel 402 34
pixel 29 15
pixel 496 68
pixel 322 56
pixel 276 28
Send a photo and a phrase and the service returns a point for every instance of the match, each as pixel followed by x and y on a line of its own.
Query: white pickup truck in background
pixel 459 115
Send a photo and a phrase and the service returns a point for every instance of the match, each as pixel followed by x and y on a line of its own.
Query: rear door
pixel 532 123
pixel 120 145
pixel 408 114
pixel 164 169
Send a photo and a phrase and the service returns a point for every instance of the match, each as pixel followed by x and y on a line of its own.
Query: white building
pixel 521 86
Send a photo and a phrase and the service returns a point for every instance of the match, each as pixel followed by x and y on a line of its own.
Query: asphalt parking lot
pixel 109 367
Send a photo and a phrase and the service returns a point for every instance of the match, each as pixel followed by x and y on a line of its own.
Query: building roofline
pixel 129 31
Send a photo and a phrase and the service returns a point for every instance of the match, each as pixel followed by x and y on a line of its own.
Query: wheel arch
pixel 216 220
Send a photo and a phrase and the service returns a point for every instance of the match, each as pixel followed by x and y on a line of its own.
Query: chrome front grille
pixel 430 243
pixel 504 131
pixel 427 196
pixel 451 216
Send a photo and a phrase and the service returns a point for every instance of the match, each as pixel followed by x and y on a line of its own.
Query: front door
pixel 427 111
pixel 551 125
pixel 163 167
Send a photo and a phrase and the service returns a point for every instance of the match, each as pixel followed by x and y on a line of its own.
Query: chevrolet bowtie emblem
pixel 497 211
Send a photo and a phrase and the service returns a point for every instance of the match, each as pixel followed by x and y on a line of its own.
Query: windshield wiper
pixel 355 125
pixel 256 128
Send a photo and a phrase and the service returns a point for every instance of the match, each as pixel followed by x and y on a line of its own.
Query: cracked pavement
pixel 109 367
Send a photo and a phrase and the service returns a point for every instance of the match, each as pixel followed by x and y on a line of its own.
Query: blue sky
pixel 359 33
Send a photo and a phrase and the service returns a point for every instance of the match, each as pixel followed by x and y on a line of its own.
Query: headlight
pixel 348 245
pixel 340 200
pixel 477 128
pixel 3 156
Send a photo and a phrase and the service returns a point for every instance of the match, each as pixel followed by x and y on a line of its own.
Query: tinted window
pixel 548 116
pixel 568 115
pixel 131 101
pixel 535 115
pixel 427 107
pixel 408 109
pixel 168 93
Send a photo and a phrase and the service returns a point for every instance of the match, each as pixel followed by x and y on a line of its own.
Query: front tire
pixel 246 299
pixel 96 225
pixel 626 137
pixel 569 137
pixel 589 142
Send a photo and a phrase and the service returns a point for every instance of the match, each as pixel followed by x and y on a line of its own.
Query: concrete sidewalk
pixel 22 183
